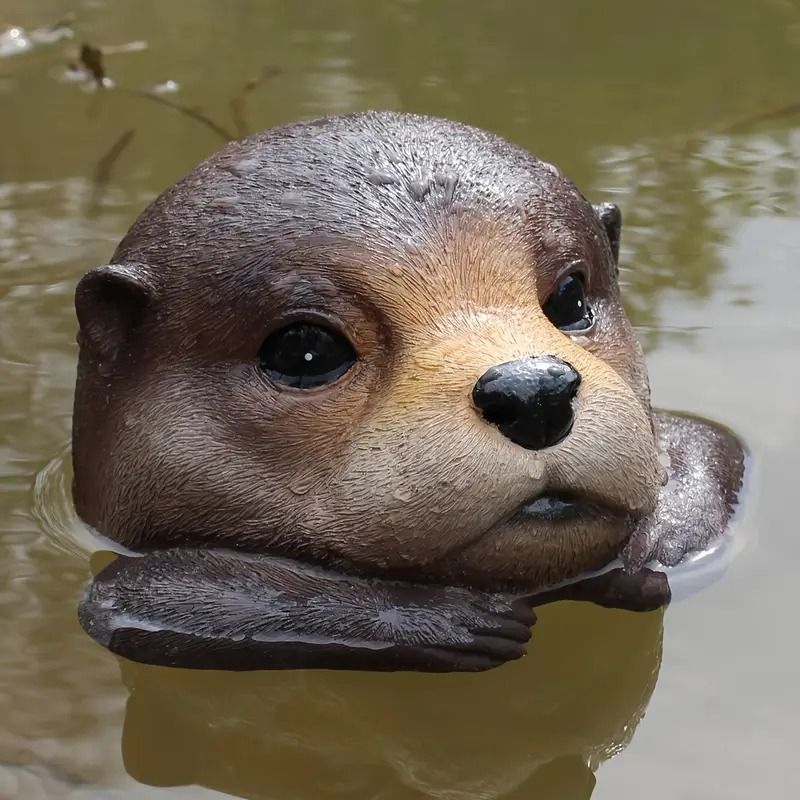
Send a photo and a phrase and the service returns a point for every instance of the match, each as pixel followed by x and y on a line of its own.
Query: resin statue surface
pixel 359 393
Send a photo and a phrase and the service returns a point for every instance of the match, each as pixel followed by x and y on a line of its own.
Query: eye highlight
pixel 303 355
pixel 567 307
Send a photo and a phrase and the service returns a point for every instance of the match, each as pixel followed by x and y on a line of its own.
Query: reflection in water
pixel 680 204
pixel 535 728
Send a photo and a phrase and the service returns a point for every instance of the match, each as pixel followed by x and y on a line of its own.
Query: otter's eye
pixel 304 355
pixel 567 308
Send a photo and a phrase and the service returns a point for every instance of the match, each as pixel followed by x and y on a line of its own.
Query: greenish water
pixel 661 107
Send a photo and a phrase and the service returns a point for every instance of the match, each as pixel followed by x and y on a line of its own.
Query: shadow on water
pixel 536 728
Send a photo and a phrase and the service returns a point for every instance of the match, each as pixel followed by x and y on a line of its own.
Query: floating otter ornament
pixel 359 392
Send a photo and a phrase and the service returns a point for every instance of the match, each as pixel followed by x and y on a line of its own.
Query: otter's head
pixel 386 341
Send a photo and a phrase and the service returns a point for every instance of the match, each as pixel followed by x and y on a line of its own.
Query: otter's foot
pixel 706 465
pixel 214 609
pixel 643 590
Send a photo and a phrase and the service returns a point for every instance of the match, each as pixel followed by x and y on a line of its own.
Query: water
pixel 661 107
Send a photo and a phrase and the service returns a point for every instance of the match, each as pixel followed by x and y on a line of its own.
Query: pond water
pixel 686 114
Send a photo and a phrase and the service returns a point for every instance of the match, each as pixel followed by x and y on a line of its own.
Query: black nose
pixel 530 400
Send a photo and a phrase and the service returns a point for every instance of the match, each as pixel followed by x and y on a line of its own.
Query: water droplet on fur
pixel 245 165
pixel 448 184
pixel 412 247
pixel 535 468
pixel 381 178
pixel 292 199
pixel 224 204
pixel 301 486
pixel 522 210
pixel 419 189
pixel 551 168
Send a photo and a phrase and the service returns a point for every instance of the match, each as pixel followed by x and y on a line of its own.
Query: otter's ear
pixel 611 219
pixel 111 302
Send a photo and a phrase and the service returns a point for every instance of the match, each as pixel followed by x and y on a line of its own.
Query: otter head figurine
pixel 356 390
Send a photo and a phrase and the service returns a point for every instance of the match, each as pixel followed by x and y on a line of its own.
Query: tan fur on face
pixel 443 481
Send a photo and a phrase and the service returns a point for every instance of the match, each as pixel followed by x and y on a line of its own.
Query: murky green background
pixel 660 106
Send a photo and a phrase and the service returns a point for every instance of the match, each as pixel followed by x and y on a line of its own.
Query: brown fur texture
pixel 431 245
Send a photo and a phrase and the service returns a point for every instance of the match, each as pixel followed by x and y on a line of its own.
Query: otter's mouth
pixel 552 507
pixel 561 506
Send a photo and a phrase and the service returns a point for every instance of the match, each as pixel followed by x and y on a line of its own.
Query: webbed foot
pixel 706 465
pixel 214 609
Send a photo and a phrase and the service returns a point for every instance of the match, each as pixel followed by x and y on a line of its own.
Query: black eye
pixel 304 355
pixel 567 308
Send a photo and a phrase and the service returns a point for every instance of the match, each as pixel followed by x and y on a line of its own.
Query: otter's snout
pixel 530 400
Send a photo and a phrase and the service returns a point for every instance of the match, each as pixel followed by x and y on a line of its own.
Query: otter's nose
pixel 530 400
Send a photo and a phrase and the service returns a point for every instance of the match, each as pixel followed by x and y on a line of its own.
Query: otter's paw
pixel 213 609
pixel 642 590
pixel 704 470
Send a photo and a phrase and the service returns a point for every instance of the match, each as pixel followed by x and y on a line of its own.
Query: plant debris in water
pixel 102 172
pixel 104 166
pixel 238 103
pixel 91 69
pixel 92 62
pixel 167 87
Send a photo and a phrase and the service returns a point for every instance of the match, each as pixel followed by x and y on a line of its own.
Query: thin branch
pixel 105 165
pixel 238 103
pixel 786 110
pixel 188 111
